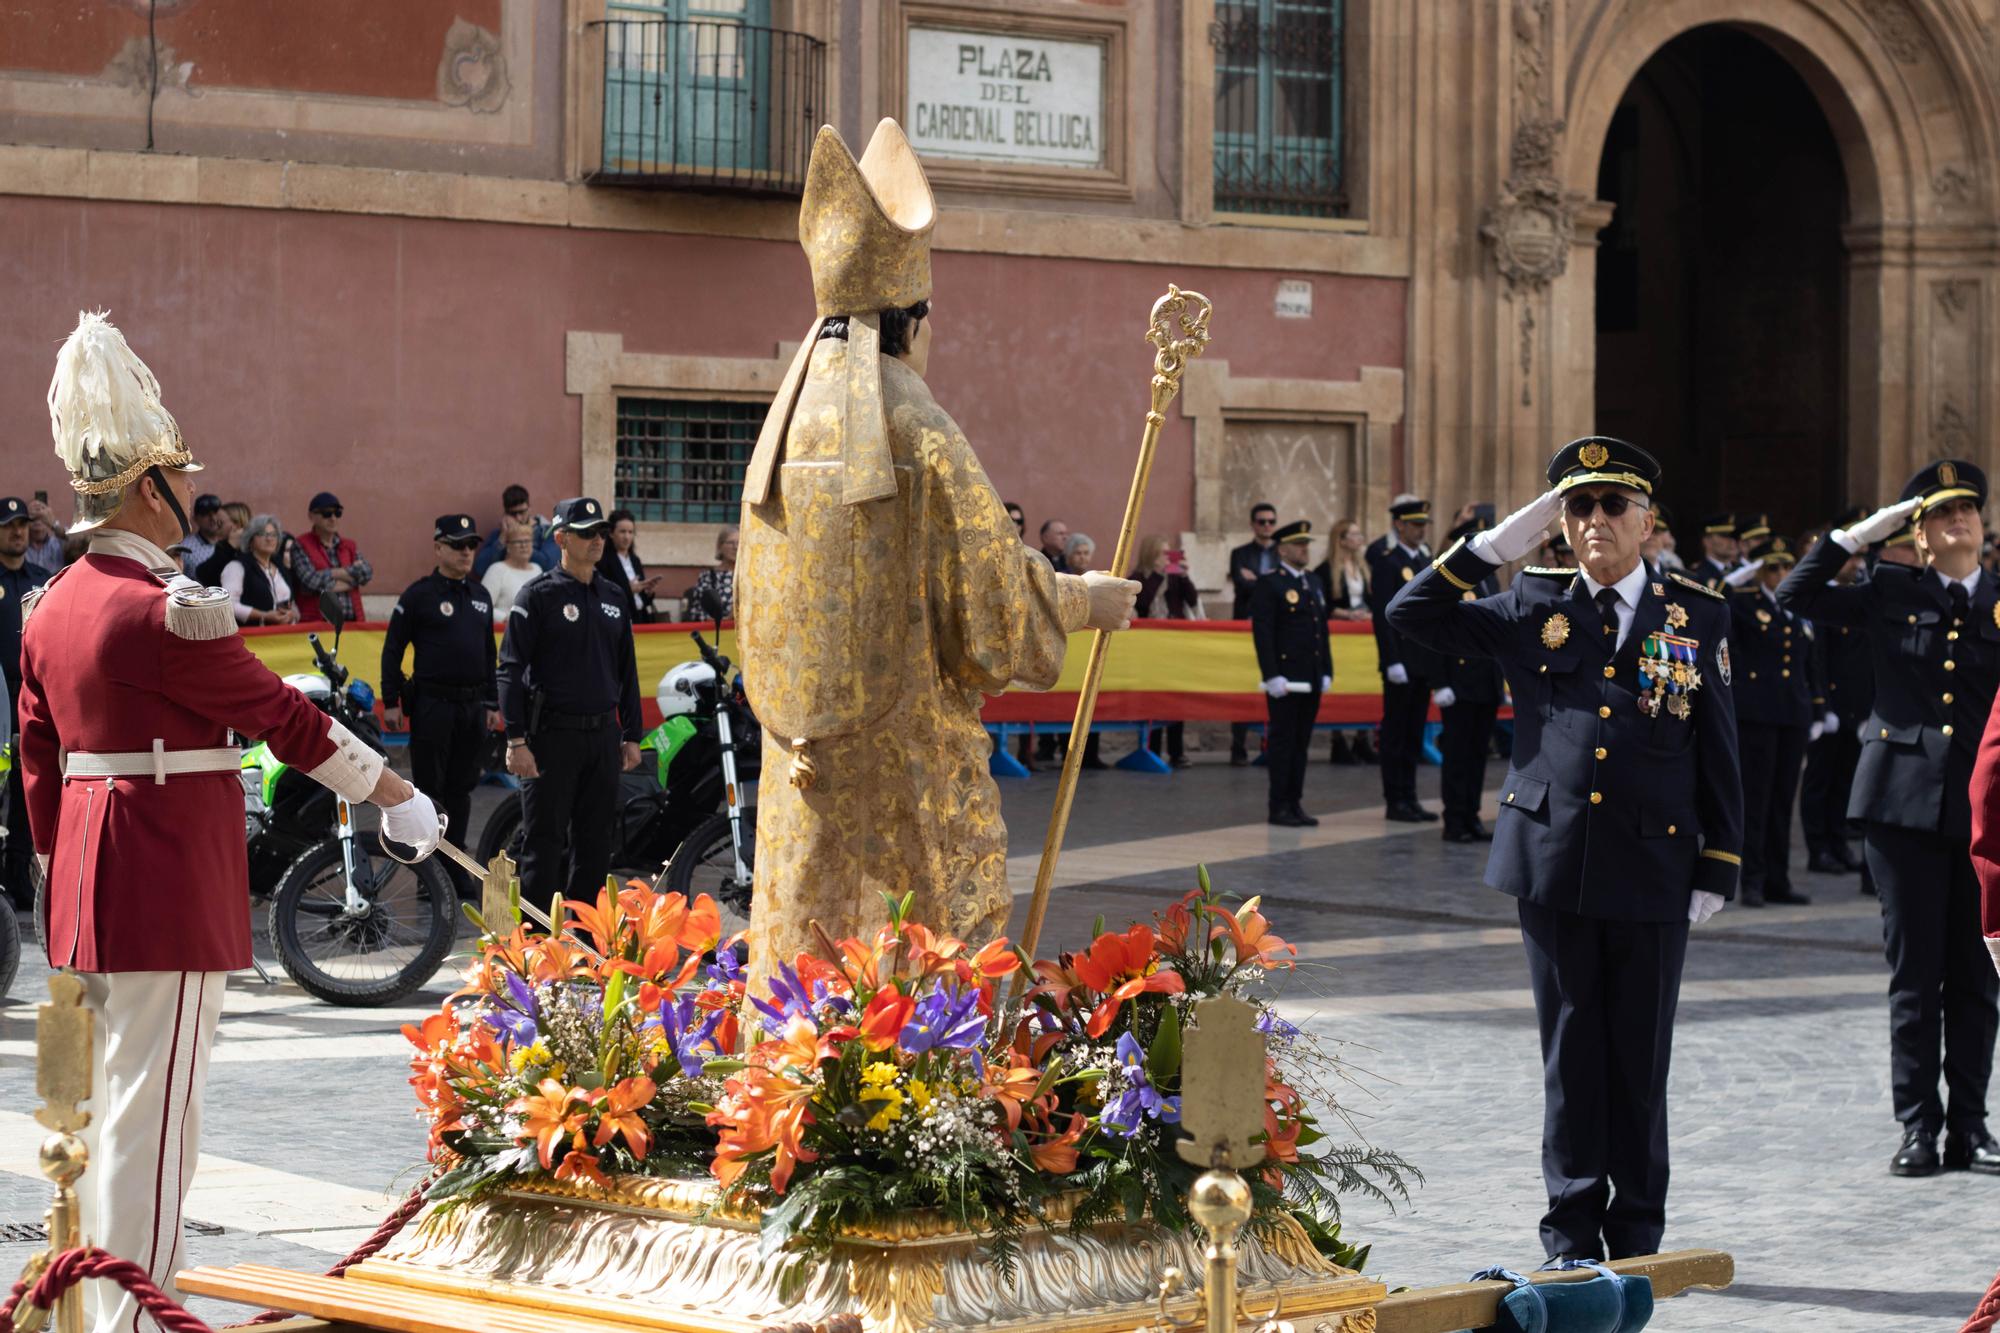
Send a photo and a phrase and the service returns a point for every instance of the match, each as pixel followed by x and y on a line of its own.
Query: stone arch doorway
pixel 1720 306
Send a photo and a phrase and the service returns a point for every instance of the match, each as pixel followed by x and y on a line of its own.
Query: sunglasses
pixel 1614 505
pixel 1265 522
pixel 466 545
pixel 328 513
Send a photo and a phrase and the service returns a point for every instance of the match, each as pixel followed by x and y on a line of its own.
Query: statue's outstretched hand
pixel 1111 600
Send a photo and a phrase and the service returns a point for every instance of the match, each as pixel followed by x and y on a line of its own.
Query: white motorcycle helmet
pixel 676 693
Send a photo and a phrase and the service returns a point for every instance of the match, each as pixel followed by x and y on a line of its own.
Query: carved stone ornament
pixel 473 71
pixel 1951 431
pixel 1901 34
pixel 1531 230
pixel 1953 185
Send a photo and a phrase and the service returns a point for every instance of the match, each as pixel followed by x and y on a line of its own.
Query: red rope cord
pixel 73 1266
pixel 1988 1313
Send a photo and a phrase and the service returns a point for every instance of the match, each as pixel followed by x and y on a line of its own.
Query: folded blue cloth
pixel 1608 1303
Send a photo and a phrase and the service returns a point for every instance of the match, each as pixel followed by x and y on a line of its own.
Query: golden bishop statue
pixel 881 590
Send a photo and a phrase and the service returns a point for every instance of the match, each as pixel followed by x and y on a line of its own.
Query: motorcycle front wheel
pixel 378 955
pixel 10 944
pixel 705 862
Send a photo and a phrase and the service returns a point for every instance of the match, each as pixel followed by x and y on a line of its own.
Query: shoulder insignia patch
pixel 1699 587
pixel 195 612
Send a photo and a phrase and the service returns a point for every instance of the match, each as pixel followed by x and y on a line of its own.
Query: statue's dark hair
pixel 899 327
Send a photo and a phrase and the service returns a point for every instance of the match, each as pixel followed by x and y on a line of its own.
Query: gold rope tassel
pixel 804 774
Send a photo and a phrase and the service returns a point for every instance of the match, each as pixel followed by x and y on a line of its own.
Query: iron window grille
pixel 682 461
pixel 1279 112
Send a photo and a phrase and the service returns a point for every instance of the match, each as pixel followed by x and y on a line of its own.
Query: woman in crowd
pixel 1343 578
pixel 1165 593
pixel 235 518
pixel 260 595
pixel 622 567
pixel 713 596
pixel 504 577
pixel 1079 558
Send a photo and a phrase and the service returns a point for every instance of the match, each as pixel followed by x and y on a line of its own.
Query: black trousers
pixel 14 870
pixel 1404 709
pixel 1462 744
pixel 447 739
pixel 1175 737
pixel 1829 780
pixel 1771 757
pixel 1605 994
pixel 1288 732
pixel 1941 980
pixel 576 797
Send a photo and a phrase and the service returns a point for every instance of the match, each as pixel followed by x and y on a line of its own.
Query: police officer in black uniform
pixel 1718 550
pixel 1295 659
pixel 1846 681
pixel 569 691
pixel 18 576
pixel 1934 631
pixel 451 698
pixel 1468 699
pixel 1620 821
pixel 1774 715
pixel 1409 669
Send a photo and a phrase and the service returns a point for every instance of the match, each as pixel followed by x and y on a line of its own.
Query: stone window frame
pixel 1213 398
pixel 1112 181
pixel 600 371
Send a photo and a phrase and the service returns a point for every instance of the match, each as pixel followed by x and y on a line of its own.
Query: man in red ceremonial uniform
pixel 133 678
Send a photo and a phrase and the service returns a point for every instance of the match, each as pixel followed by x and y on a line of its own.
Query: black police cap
pixel 1298 530
pixel 1477 523
pixel 581 514
pixel 1752 528
pixel 454 530
pixel 1946 479
pixel 1719 525
pixel 13 510
pixel 1773 551
pixel 1599 459
pixel 1411 511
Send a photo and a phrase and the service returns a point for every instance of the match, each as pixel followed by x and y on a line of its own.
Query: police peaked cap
pixel 1719 525
pixel 454 528
pixel 1773 551
pixel 581 514
pixel 1477 523
pixel 1946 479
pixel 1298 530
pixel 1411 511
pixel 1752 527
pixel 1599 459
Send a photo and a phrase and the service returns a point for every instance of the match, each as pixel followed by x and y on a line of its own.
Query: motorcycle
pixel 687 813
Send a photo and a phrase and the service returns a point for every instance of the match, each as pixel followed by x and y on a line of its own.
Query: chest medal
pixel 446 609
pixel 1555 631
pixel 570 613
pixel 1292 596
pixel 1668 675
pixel 1677 615
pixel 1408 573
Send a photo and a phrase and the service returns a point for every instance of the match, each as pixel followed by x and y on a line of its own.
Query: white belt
pixel 158 763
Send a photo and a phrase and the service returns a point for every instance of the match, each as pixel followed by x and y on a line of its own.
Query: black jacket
pixel 1474 678
pixel 1606 812
pixel 1707 573
pixel 639 608
pixel 1772 647
pixel 1934 684
pixel 451 623
pixel 570 642
pixel 1390 568
pixel 1288 626
pixel 1246 557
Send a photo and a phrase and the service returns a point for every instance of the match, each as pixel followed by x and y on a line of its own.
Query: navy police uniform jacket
pixel 1773 664
pixel 1288 626
pixel 1473 678
pixel 451 623
pixel 1935 675
pixel 1390 570
pixel 1611 809
pixel 571 643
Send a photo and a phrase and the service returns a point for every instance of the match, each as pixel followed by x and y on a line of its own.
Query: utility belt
pixel 158 763
pixel 458 694
pixel 548 719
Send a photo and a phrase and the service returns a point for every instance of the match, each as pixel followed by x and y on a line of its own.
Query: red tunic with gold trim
pixel 149 875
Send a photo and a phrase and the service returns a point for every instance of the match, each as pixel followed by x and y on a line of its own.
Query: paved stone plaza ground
pixel 1781 1121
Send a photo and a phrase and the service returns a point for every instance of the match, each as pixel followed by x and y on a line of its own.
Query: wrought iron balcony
pixel 708 104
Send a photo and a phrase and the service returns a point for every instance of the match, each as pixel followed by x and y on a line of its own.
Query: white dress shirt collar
pixel 1627 589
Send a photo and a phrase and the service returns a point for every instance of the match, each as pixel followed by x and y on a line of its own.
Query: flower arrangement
pixel 881 1076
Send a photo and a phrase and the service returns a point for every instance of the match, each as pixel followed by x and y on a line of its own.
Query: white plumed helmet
pixel 108 421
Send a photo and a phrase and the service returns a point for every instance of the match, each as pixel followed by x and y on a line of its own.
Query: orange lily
pixel 605 922
pixel 1057 1156
pixel 549 1117
pixel 1251 936
pixel 884 1018
pixel 1120 967
pixel 580 1165
pixel 994 961
pixel 618 1113
pixel 1011 1087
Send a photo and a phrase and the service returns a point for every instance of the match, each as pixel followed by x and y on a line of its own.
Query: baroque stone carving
pixel 1901 34
pixel 1951 431
pixel 473 70
pixel 1533 225
pixel 1954 295
pixel 1952 185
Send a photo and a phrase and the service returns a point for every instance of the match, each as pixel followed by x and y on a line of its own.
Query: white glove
pixel 415 822
pixel 1830 724
pixel 1276 687
pixel 1445 697
pixel 1326 684
pixel 1815 731
pixel 1744 576
pixel 1883 523
pixel 1519 533
pixel 1702 905
pixel 1398 674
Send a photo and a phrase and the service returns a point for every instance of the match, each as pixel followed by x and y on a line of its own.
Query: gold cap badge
pixel 1947 475
pixel 1593 455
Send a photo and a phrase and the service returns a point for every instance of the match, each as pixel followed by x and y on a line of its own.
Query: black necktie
pixel 1607 608
pixel 1960 604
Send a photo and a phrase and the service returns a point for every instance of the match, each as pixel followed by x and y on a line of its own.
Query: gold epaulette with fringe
pixel 195 612
pixel 1701 588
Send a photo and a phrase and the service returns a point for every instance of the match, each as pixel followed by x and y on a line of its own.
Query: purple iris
pixel 1270 1024
pixel 944 1020
pixel 687 1031
pixel 726 968
pixel 517 1024
pixel 1127 1112
pixel 792 998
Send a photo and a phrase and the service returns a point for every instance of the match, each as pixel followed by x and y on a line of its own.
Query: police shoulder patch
pixel 1699 587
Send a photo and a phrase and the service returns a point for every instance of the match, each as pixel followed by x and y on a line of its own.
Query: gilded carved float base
pixel 640 1255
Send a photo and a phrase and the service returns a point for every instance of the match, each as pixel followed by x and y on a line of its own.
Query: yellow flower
pixel 878 1075
pixel 920 1093
pixel 891 1110
pixel 524 1056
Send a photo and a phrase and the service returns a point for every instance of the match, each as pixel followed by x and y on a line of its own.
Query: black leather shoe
pixel 1459 833
pixel 1479 831
pixel 1305 820
pixel 1403 813
pixel 1286 819
pixel 1917 1157
pixel 1972 1152
pixel 1425 813
pixel 1825 863
pixel 1238 759
pixel 1750 898
pixel 1788 896
pixel 1847 856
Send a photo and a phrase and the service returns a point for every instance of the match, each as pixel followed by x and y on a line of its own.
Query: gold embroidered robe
pixel 872 630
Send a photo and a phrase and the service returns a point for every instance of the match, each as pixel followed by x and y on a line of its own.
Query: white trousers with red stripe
pixel 154 1031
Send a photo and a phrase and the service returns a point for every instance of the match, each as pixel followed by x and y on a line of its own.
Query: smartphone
pixel 1483 514
pixel 1176 561
pixel 43 496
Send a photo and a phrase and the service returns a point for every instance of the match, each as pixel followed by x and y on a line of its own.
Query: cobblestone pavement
pixel 1780 1107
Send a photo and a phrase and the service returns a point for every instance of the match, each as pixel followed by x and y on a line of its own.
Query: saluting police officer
pixel 1408 668
pixel 1718 550
pixel 1751 530
pixel 1934 631
pixel 1468 700
pixel 1846 680
pixel 1774 716
pixel 450 700
pixel 1620 822
pixel 1288 626
pixel 569 691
